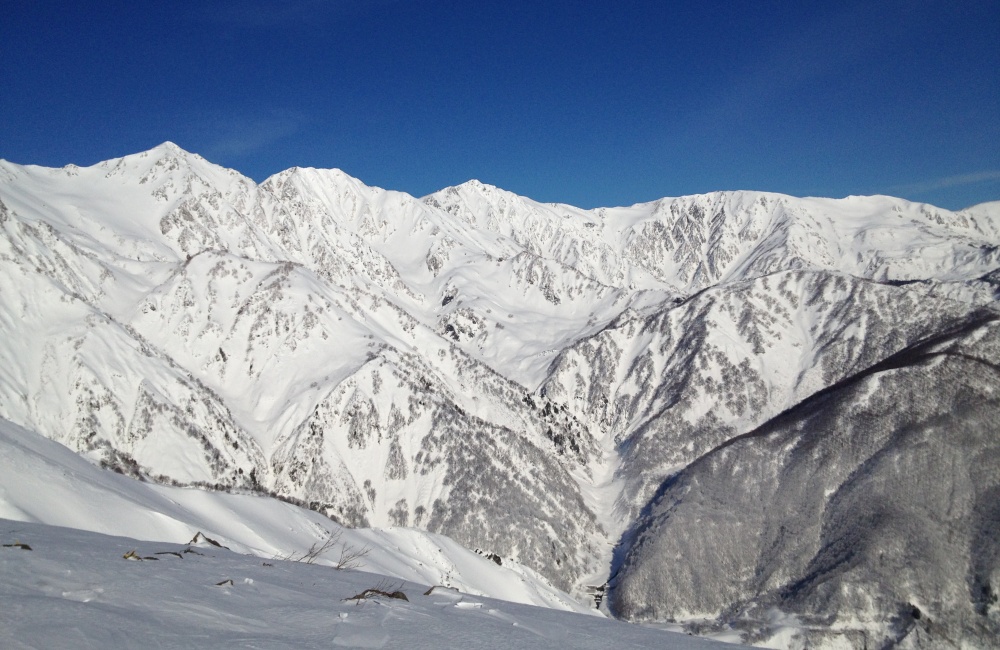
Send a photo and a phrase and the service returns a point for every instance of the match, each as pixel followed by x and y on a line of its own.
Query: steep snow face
pixel 527 378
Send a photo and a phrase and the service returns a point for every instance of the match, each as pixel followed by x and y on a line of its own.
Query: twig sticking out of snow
pixel 135 557
pixel 170 553
pixel 200 536
pixel 19 545
pixel 381 589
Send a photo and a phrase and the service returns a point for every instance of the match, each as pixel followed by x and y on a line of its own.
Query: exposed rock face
pixel 764 404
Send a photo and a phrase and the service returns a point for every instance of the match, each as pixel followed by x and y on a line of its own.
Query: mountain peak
pixel 168 146
pixel 473 185
pixel 168 150
pixel 471 189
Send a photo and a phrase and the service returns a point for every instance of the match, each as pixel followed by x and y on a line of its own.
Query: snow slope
pixel 73 589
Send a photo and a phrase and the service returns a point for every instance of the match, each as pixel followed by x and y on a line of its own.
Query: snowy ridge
pixel 529 379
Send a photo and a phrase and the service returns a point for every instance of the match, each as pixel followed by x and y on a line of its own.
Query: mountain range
pixel 727 411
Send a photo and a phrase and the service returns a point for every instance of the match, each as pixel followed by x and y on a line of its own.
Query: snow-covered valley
pixel 727 411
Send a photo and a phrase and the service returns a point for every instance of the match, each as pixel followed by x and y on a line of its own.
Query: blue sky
pixel 588 103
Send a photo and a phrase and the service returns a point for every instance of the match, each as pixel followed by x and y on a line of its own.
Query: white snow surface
pixel 75 589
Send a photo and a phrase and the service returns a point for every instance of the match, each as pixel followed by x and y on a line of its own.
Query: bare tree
pixel 350 556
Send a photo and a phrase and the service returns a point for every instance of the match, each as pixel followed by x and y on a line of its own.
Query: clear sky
pixel 589 103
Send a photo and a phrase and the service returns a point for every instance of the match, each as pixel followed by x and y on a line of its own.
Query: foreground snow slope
pixel 75 590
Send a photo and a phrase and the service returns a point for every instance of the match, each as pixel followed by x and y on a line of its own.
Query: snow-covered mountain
pixel 537 381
